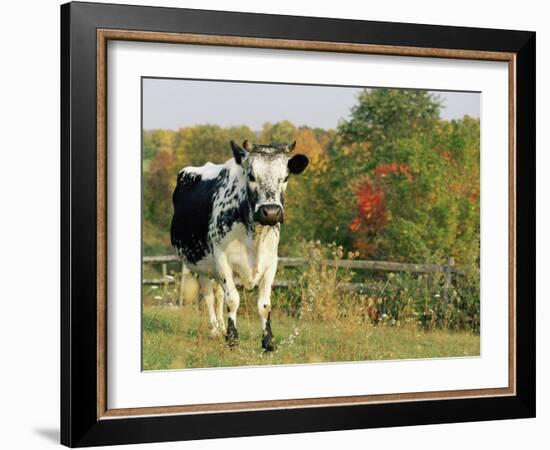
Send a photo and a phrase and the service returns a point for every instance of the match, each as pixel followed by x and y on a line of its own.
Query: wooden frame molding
pixel 289 44
pixel 103 36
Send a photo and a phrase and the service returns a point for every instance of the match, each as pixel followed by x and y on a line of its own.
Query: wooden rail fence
pixel 449 269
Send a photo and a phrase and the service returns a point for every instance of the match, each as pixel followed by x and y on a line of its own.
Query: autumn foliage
pixel 385 170
pixel 393 181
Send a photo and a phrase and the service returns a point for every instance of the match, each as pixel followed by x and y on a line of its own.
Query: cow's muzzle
pixel 269 215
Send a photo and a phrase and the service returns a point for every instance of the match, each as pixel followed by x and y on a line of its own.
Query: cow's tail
pixel 189 287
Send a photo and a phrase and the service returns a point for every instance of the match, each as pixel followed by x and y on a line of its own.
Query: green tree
pixel 155 141
pixel 383 115
pixel 282 132
pixel 395 150
pixel 196 145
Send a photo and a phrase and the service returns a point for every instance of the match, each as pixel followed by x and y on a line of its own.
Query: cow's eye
pixel 251 178
pixel 286 179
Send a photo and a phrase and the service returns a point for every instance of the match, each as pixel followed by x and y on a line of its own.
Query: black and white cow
pixel 226 224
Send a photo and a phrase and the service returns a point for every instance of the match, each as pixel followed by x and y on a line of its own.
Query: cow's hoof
pixel 231 341
pixel 267 343
pixel 232 336
pixel 216 332
pixel 267 339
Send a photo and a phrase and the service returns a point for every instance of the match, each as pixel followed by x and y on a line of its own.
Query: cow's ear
pixel 238 153
pixel 297 164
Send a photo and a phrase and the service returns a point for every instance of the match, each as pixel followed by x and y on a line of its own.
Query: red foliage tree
pixel 371 206
pixel 370 218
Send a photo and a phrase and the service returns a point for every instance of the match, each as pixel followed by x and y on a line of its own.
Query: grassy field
pixel 177 338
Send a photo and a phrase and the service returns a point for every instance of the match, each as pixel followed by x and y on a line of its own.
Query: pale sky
pixel 175 103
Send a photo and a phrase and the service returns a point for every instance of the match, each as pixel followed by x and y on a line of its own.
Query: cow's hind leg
pixel 207 292
pixel 231 295
pixel 220 299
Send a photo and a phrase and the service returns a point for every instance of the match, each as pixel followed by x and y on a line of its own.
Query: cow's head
pixel 266 169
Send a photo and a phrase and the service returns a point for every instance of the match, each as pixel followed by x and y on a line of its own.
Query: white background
pixel 130 388
pixel 29 189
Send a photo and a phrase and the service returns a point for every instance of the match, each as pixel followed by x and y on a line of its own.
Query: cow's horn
pixel 290 147
pixel 248 146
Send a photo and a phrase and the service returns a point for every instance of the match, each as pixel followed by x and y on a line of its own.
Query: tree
pixel 383 115
pixel 409 178
pixel 282 132
pixel 193 146
pixel 155 141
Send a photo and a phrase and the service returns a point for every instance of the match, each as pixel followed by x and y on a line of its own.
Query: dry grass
pixel 313 322
pixel 177 338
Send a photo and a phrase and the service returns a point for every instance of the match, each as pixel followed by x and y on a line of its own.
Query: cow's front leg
pixel 264 308
pixel 232 300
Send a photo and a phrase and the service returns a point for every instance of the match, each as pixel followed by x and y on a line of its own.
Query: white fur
pixel 270 174
pixel 207 171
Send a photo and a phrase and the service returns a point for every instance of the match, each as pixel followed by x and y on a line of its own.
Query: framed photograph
pixel 278 224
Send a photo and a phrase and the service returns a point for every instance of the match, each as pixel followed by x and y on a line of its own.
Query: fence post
pixel 448 278
pixel 164 282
